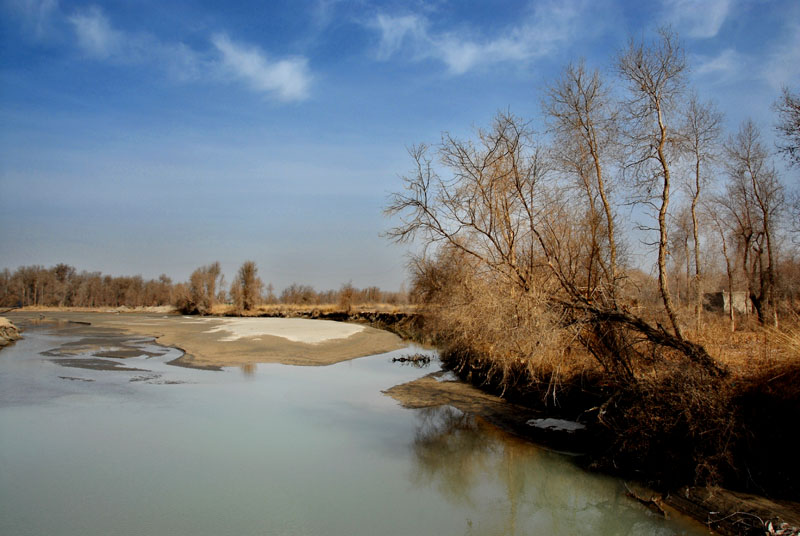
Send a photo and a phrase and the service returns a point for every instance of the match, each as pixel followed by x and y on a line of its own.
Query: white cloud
pixel 95 34
pixel 288 78
pixel 551 25
pixel 697 18
pixel 394 31
pixel 724 65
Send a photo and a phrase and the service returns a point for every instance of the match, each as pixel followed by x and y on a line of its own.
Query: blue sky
pixel 149 136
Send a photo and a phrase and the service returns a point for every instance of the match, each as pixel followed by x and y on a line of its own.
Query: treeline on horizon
pixel 63 285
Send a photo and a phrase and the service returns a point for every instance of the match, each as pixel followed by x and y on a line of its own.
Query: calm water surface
pixel 271 450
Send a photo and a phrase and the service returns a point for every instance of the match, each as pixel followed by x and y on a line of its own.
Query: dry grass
pixel 752 349
pixel 672 422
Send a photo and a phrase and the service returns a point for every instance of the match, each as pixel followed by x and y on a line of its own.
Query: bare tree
pixel 347 294
pixel 269 294
pixel 197 300
pixel 486 209
pixel 720 228
pixel 500 215
pixel 701 130
pixel 742 219
pixel 213 278
pixel 654 73
pixel 680 251
pixel 788 127
pixel 246 287
pixel 584 120
pixel 760 194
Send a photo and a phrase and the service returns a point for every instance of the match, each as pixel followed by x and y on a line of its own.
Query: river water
pixel 270 450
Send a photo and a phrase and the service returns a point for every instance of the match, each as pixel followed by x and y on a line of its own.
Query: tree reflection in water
pixel 514 487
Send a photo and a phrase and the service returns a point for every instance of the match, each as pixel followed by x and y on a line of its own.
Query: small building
pixel 721 301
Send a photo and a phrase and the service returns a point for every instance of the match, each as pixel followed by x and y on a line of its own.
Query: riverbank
pixel 8 332
pixel 722 510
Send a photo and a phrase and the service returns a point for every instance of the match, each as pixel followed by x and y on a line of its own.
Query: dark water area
pixel 139 446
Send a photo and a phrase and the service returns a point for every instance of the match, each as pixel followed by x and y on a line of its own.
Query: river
pixel 270 449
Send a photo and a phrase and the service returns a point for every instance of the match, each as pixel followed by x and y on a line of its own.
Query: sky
pixel 148 137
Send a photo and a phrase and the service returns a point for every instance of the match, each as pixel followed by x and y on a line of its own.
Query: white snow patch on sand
pixel 293 329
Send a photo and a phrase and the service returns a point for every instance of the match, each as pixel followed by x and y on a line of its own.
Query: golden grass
pixel 752 348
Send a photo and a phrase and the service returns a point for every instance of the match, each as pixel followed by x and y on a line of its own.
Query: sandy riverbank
pixel 8 332
pixel 213 342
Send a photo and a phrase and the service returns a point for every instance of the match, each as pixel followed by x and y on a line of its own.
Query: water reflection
pixel 322 460
pixel 526 489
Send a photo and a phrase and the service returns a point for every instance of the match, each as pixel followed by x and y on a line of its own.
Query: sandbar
pixel 214 342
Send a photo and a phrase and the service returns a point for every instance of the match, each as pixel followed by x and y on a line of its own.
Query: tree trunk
pixel 663 284
pixel 698 304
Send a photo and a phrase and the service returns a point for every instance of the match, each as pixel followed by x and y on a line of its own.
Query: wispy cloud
pixel 395 30
pixel 722 66
pixel 697 18
pixel 95 35
pixel 286 79
pixel 289 78
pixel 552 25
pixel 778 66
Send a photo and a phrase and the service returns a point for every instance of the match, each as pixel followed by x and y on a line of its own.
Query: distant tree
pixel 716 219
pixel 701 131
pixel 63 274
pixel 199 296
pixel 584 120
pixel 299 294
pixel 756 197
pixel 680 251
pixel 269 294
pixel 198 292
pixel 347 295
pixel 246 287
pixel 214 276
